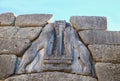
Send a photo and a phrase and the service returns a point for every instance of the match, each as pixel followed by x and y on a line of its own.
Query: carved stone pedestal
pixel 58 60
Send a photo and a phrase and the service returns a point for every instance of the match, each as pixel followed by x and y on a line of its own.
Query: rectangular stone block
pixel 30 33
pixel 60 24
pixel 13 46
pixel 32 20
pixel 52 68
pixel 7 19
pixel 105 53
pixel 88 22
pixel 8 31
pixel 107 71
pixel 58 61
pixel 100 37
pixel 7 65
pixel 64 57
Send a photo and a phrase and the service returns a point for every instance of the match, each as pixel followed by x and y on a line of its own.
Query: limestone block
pixel 7 65
pixel 51 76
pixel 105 53
pixel 13 46
pixel 88 22
pixel 64 57
pixel 31 20
pixel 30 33
pixel 8 31
pixel 7 19
pixel 57 67
pixel 107 71
pixel 100 37
pixel 58 61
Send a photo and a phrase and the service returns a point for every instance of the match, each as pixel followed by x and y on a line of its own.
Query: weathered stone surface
pixel 81 57
pixel 32 60
pixel 32 20
pixel 70 53
pixel 88 22
pixel 105 53
pixel 13 46
pixel 8 31
pixel 61 64
pixel 59 27
pixel 108 72
pixel 7 19
pixel 7 65
pixel 57 67
pixel 30 33
pixel 60 61
pixel 51 76
pixel 100 37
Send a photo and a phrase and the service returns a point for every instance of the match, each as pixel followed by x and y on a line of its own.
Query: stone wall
pixel 33 49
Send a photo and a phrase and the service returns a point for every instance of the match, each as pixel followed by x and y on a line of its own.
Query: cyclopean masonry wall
pixel 33 49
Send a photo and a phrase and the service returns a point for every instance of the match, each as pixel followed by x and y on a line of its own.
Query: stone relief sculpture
pixel 58 48
pixel 81 57
pixel 58 51
pixel 32 58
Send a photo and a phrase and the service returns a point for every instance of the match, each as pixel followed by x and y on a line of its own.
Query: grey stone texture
pixel 13 46
pixel 105 53
pixel 7 19
pixel 33 49
pixel 30 33
pixel 15 40
pixel 7 65
pixel 51 76
pixel 8 31
pixel 32 60
pixel 33 20
pixel 81 56
pixel 50 45
pixel 100 37
pixel 88 22
pixel 107 71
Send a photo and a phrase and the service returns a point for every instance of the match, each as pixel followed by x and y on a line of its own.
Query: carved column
pixel 58 61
